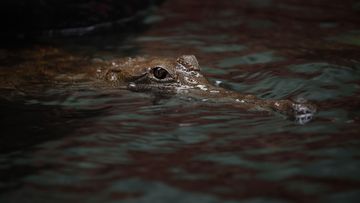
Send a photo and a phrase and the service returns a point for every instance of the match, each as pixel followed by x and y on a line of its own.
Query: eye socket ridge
pixel 160 73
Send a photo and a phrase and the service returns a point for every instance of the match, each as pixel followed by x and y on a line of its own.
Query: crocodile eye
pixel 160 73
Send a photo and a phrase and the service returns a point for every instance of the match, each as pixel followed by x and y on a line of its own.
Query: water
pixel 82 144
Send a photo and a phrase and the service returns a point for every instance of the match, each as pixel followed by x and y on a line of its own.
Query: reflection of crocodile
pixel 161 75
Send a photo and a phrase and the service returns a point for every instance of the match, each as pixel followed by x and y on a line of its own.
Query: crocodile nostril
pixel 160 73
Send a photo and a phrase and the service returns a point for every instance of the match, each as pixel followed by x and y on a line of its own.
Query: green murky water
pixel 86 145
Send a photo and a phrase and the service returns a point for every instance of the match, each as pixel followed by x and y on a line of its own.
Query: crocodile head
pixel 182 76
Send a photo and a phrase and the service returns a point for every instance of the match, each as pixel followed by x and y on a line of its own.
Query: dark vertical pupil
pixel 160 73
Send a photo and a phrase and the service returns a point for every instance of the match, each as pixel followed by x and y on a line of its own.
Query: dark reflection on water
pixel 89 145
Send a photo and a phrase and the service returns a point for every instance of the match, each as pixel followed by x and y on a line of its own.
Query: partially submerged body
pixel 154 74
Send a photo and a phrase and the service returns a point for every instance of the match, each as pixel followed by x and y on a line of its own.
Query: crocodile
pixel 161 75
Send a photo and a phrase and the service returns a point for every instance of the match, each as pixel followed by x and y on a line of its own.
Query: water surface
pixel 81 144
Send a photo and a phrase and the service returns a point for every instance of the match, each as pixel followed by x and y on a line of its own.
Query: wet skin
pixel 182 76
pixel 160 75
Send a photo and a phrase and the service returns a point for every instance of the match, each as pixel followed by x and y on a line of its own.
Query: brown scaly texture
pixel 181 76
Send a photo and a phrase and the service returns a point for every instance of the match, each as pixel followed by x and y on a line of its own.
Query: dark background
pixel 21 19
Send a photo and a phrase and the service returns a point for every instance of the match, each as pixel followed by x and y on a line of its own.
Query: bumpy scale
pixel 156 74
